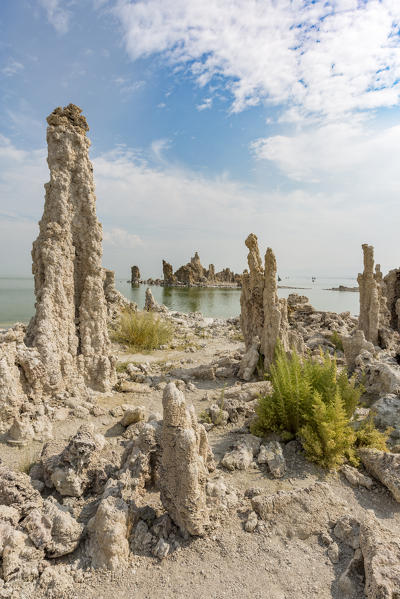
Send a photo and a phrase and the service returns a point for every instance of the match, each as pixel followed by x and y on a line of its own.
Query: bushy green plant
pixel 336 340
pixel 311 399
pixel 368 436
pixel 142 330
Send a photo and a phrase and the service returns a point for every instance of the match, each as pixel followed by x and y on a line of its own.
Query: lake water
pixel 17 298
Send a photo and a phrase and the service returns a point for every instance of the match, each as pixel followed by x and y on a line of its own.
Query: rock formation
pixel 69 328
pixel 168 274
pixel 135 275
pixel 374 314
pixel 151 305
pixel 392 292
pixel 263 314
pixel 185 459
pixel 115 301
pixel 193 273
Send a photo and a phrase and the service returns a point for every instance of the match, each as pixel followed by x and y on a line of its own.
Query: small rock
pixel 272 455
pixel 333 553
pixel 133 415
pixel 251 522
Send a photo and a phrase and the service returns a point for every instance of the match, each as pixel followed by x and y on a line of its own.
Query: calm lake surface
pixel 17 298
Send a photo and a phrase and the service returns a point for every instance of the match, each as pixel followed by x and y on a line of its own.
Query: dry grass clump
pixel 142 330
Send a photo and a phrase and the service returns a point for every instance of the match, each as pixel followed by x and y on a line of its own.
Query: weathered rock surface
pixel 383 466
pixel 249 361
pixel 53 529
pixel 114 299
pixel 353 345
pixel 193 273
pixel 241 457
pixel 109 530
pixel 263 314
pixel 184 464
pixel 69 328
pixel 271 454
pixel 381 552
pixel 392 293
pixel 135 275
pixel 301 512
pixel 150 303
pixel 17 491
pixel 374 314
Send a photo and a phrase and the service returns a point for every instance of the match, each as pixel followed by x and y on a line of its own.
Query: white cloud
pixel 159 146
pixel 57 15
pixel 207 103
pixel 153 213
pixel 121 238
pixel 12 68
pixel 336 150
pixel 319 58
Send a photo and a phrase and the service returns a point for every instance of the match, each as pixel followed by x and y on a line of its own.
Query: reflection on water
pixel 17 297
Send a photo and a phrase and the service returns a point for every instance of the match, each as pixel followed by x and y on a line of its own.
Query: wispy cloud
pixel 316 58
pixel 207 103
pixel 121 238
pixel 127 86
pixel 57 14
pixel 12 68
pixel 159 146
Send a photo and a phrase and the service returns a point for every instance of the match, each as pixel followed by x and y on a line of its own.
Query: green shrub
pixel 336 340
pixel 313 401
pixel 368 436
pixel 142 330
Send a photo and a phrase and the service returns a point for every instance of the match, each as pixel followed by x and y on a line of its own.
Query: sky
pixel 209 121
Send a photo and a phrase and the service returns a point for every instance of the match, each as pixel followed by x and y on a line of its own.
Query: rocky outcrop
pixel 383 466
pixel 109 530
pixel 263 314
pixel 392 293
pixel 135 275
pixel 151 305
pixel 114 299
pixel 380 549
pixel 185 460
pixel 194 273
pixel 353 345
pixel 374 314
pixel 69 328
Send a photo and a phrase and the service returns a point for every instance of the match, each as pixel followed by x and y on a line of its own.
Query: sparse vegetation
pixel 368 436
pixel 121 366
pixel 142 330
pixel 314 401
pixel 336 340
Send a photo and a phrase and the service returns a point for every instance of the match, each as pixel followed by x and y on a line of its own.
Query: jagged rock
pixel 392 292
pixel 347 530
pixel 381 552
pixel 263 314
pixel 20 558
pixel 133 415
pixel 69 328
pixel 114 299
pixel 251 522
pixel 53 529
pixel 168 274
pixel 81 465
pixel 249 361
pixel 241 457
pixel 387 412
pixel 218 415
pixel 385 467
pixel 374 314
pixel 162 549
pixel 353 345
pixel 355 477
pixel 379 376
pixel 302 512
pixel 271 454
pixel 350 580
pixel 55 582
pixel 135 275
pixel 204 372
pixel 17 491
pixel 109 531
pixel 151 305
pixel 184 464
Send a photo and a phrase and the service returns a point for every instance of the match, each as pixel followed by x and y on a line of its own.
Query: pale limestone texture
pixel 374 314
pixel 263 314
pixel 194 273
pixel 385 467
pixel 381 552
pixel 392 292
pixel 353 345
pixel 69 328
pixel 135 275
pixel 185 461
pixel 151 305
pixel 109 530
pixel 115 301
